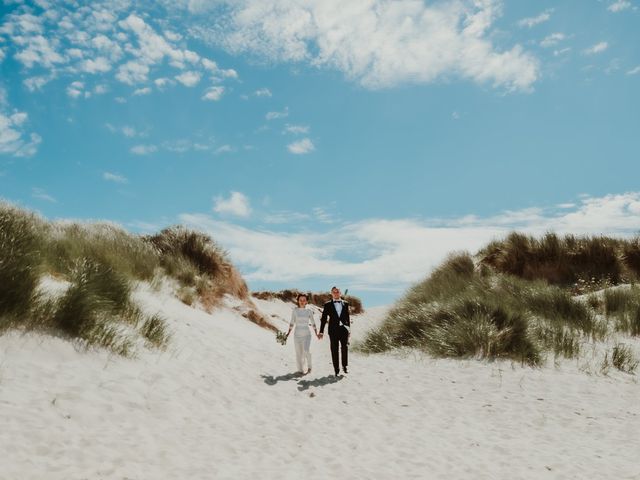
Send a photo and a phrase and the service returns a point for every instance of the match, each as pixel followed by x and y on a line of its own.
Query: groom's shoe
pixel 337 373
pixel 345 370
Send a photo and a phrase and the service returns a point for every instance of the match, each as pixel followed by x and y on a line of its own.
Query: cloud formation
pixel 530 22
pixel 237 204
pixel 597 48
pixel 377 254
pixel 14 139
pixel 100 38
pixel 301 146
pixel 376 43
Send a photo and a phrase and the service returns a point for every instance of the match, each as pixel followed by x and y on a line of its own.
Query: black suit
pixel 339 327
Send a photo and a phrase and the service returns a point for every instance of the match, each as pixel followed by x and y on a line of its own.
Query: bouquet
pixel 281 337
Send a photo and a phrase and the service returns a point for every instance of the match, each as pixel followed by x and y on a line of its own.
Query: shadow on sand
pixel 302 384
pixel 271 380
pixel 318 382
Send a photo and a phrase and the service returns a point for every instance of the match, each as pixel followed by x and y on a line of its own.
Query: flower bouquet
pixel 281 337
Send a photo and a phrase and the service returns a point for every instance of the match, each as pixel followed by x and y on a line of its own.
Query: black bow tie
pixel 337 301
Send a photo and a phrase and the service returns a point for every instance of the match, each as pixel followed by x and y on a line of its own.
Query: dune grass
pixel 20 257
pixel 318 298
pixel 623 305
pixel 464 311
pixel 583 263
pixel 102 262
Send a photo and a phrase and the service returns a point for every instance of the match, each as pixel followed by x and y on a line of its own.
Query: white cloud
pixel 619 6
pixel 562 51
pixel 277 115
pixel 237 204
pixel 279 218
pixel 634 71
pixel 142 91
pixel 143 149
pixel 301 146
pixel 378 43
pixel 114 177
pixel 597 48
pixel 14 140
pixel 296 129
pixel 99 65
pixel 133 72
pixel 537 20
pixel 392 252
pixel 38 51
pixel 76 89
pixel 263 92
pixel 552 39
pixel 224 149
pixel 36 83
pixel 42 195
pixel 213 94
pixel 189 79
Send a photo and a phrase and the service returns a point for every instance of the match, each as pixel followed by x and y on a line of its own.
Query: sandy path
pixel 222 404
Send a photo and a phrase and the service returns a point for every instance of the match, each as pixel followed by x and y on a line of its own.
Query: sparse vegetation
pixel 623 305
pixel 20 251
pixel 318 298
pixel 101 262
pixel 622 358
pixel 581 263
pixel 516 300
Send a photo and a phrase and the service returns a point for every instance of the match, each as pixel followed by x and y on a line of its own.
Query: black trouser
pixel 339 336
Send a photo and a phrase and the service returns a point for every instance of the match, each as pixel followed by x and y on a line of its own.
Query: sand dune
pixel 222 402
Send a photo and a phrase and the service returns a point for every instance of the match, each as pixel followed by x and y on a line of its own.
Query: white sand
pixel 221 404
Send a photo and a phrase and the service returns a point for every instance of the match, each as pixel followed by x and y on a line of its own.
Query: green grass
pixel 623 306
pixel 622 358
pixel 461 311
pixel 20 258
pixel 102 262
pixel 583 263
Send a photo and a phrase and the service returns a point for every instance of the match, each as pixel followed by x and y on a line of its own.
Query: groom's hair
pixel 334 288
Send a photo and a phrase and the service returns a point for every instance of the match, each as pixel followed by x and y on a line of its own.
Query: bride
pixel 301 320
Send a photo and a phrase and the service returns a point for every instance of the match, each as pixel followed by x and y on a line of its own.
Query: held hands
pixel 320 335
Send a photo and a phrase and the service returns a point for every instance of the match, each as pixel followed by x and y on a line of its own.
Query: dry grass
pixel 259 319
pixel 196 260
pixel 318 299
pixel 101 261
pixel 584 263
pixel 462 311
pixel 20 258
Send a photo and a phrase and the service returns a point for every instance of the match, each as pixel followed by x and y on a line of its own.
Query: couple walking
pixel 336 312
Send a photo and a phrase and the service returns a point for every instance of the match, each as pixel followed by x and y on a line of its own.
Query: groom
pixel 337 311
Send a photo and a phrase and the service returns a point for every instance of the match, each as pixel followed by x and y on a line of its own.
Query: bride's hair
pixel 301 295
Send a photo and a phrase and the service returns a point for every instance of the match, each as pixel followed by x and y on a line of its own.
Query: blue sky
pixel 326 142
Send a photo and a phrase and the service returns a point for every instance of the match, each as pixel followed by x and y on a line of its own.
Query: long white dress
pixel 302 319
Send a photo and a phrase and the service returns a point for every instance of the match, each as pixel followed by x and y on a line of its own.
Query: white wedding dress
pixel 301 320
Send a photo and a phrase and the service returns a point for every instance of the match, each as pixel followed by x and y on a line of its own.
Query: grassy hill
pixel 97 265
pixel 522 298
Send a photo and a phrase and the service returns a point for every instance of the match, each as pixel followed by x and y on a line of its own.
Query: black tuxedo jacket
pixel 329 312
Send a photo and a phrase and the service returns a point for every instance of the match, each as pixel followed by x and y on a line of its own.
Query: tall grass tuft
pixel 96 296
pixel 622 358
pixel 463 311
pixel 20 254
pixel 104 243
pixel 154 330
pixel 196 260
pixel 623 306
pixel 565 261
